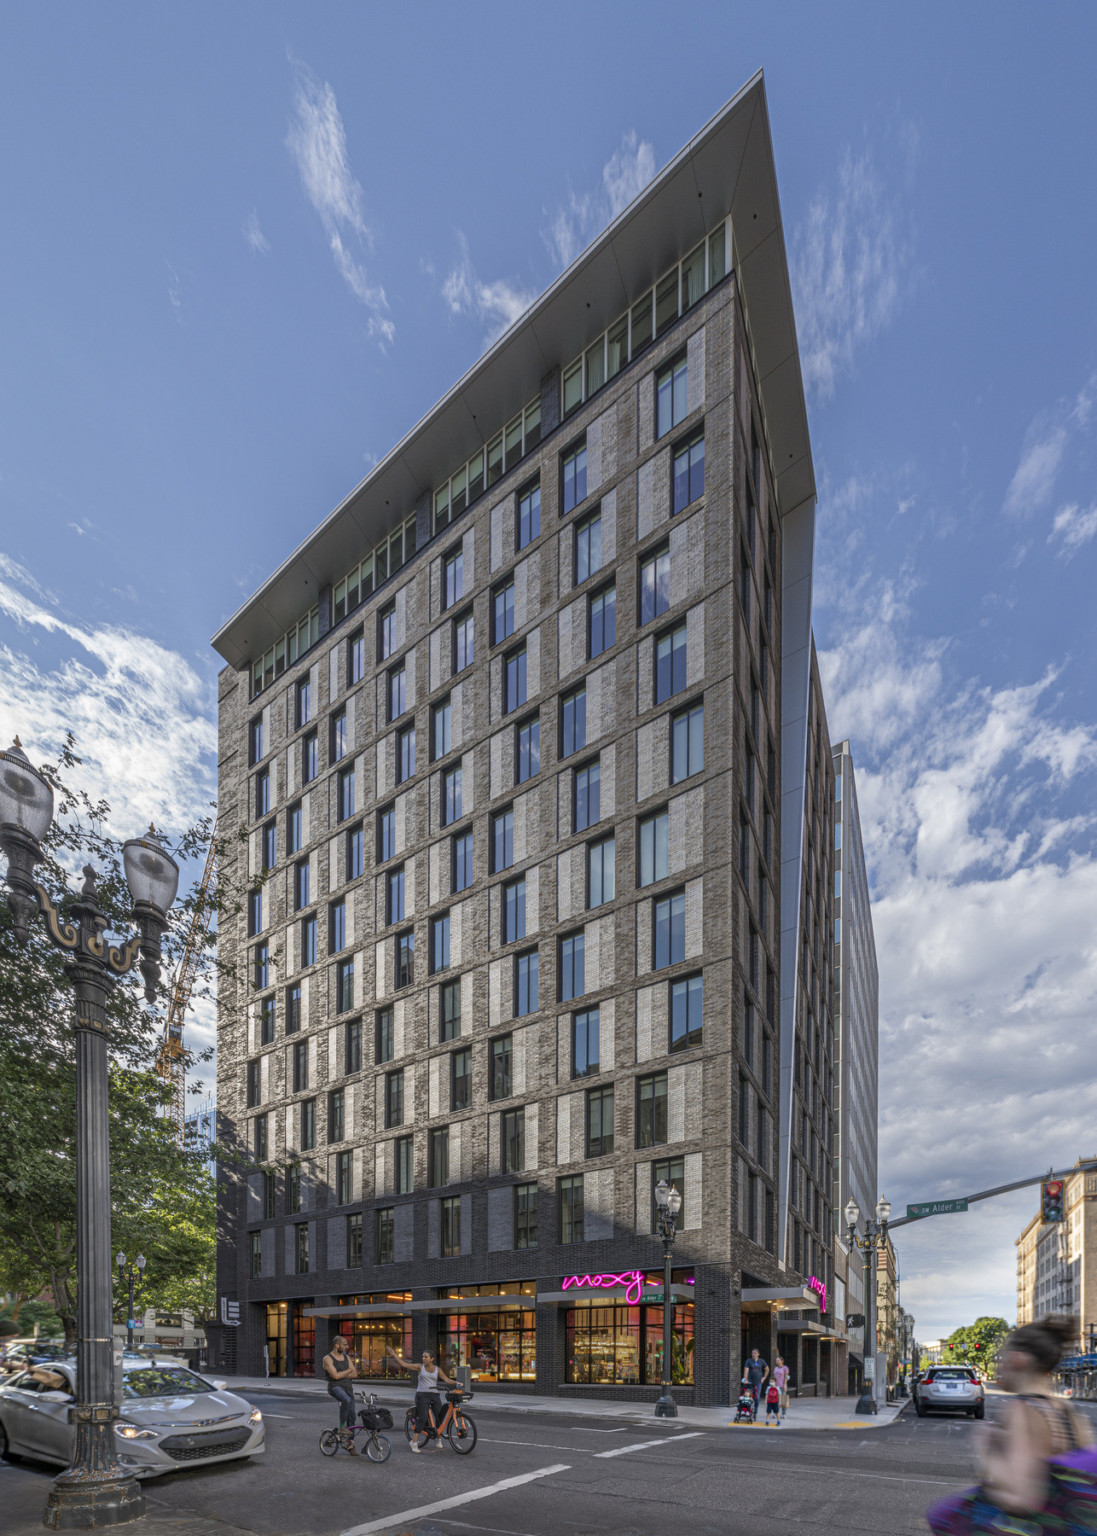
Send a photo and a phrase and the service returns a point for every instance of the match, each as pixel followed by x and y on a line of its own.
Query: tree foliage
pixel 976 1344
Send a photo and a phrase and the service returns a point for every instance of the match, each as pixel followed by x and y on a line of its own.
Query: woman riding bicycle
pixel 429 1374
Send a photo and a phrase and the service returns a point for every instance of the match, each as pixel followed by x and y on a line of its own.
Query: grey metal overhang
pixel 778 1298
pixel 727 167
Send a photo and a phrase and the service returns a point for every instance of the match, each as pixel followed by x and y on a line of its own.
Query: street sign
pixel 935 1208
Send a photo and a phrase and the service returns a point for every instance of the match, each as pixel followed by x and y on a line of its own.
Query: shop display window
pixel 620 1345
pixel 370 1338
pixel 497 1346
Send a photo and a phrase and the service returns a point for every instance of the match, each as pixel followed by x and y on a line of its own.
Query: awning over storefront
pixel 364 1309
pixel 809 1330
pixel 779 1298
pixel 436 1304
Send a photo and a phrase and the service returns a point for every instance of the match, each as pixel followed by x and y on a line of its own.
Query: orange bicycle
pixel 457 1425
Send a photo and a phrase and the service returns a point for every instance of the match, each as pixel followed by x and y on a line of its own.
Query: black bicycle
pixel 372 1418
pixel 457 1426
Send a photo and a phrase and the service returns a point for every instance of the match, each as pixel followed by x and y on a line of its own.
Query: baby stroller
pixel 744 1409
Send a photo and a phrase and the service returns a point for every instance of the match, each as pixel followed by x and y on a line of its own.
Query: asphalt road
pixel 550 1474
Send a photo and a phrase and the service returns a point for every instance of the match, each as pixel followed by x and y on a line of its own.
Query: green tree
pixel 976 1344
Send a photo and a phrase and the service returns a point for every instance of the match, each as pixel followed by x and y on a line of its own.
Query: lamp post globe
pixel 26 814
pixel 883 1211
pixel 852 1213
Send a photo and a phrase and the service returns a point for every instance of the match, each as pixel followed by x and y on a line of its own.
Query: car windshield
pixel 162 1381
pixel 952 1375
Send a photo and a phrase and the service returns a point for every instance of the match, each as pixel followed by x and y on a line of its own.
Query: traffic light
pixel 1051 1200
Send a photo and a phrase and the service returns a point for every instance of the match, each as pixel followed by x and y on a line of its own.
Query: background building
pixel 505 735
pixel 1057 1261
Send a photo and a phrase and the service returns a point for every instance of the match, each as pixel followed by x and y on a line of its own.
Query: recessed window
pixel 525 1216
pixel 344 986
pixel 515 691
pixel 293 1008
pixel 345 794
pixel 670 663
pixel 337 927
pixel 262 793
pixel 453 578
pixel 449 1011
pixel 574 473
pixel 356 852
pixel 385 1036
pixel 689 472
pixel 654 584
pixel 254 1077
pixel 666 302
pixel 569 1204
pixel 260 1138
pixel 672 392
pixel 669 943
pixel 269 850
pixel 573 721
pixel 398 691
pixel 385 1234
pixel 502 613
pixel 500 1063
pixel 405 754
pixel 405 959
pixel 394 1098
pixel 529 515
pixel 438 1157
pixel 340 743
pixel 255 913
pixel 308 941
pixel 603 620
pixel 525 983
pixel 354 1224
pixel 301 1067
pixel 601 872
pixel 294 829
pixel 588 547
pixel 463 642
pixel 586 1054
pixel 337 1105
pixel 439 943
pixel 352 1046
pixel 266 1020
pixel 599 1108
pixel 528 750
pixel 686 1005
pixel 672 1171
pixel 572 966
pixel 394 896
pixel 461 1078
pixel 301 1248
pixel 451 1227
pixel 441 729
pixel 260 966
pixel 588 796
pixel 293 1189
pixel 356 658
pixel 514 911
pixel 502 840
pixel 512 1139
pixel 405 1165
pixel 387 631
pixel 303 702
pixel 451 795
pixel 687 743
pixel 386 832
pixel 654 859
pixel 310 757
pixel 462 861
pixel 255 741
pixel 308 1125
pixel 651 1110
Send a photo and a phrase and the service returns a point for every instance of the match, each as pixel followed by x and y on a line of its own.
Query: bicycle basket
pixel 376 1418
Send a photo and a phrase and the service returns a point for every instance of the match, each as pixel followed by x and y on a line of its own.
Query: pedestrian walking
pixel 340 1370
pixel 755 1375
pixel 780 1377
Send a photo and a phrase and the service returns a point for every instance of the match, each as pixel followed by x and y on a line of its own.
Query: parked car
pixel 951 1388
pixel 169 1417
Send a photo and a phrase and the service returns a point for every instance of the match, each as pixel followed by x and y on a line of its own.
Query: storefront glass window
pixel 623 1346
pixel 497 1346
pixel 371 1337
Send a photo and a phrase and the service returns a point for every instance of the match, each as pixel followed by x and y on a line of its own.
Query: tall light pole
pixel 668 1203
pixel 96 1490
pixel 131 1276
pixel 875 1237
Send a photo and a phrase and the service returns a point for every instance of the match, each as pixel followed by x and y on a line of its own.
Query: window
pixel 260 966
pixel 438 1157
pixel 439 943
pixel 689 472
pixel 451 1227
pixel 651 1110
pixel 588 546
pixel 352 1046
pixel 671 395
pixel 269 1189
pixel 344 986
pixel 255 741
pixel 515 691
pixel 460 1080
pixel 514 911
pixel 744 581
pixel 386 832
pixel 260 1139
pixel 398 691
pixel 586 1043
pixel 463 642
pixel 405 1165
pixel 670 663
pixel 385 1234
pixel 525 1215
pixel 294 829
pixel 339 742
pixel 529 515
pixel 499 1053
pixel 270 845
pixel 262 793
pixel 654 857
pixel 512 1140
pixel 405 958
pixel 528 750
pixel 293 1009
pixel 387 628
pixel 302 885
pixel 337 927
pixel 748 1031
pixel 574 477
pixel 599 1121
pixel 503 613
pixel 569 1204
pixel 253 1085
pixel 573 721
pixel 308 1124
pixel 310 757
pixel 394 895
pixel 449 1010
pixel 356 852
pixel 356 658
pixel 256 1240
pixel 394 1098
pixel 441 729
pixel 687 743
pixel 405 754
pixel 686 998
pixel 525 983
pixel 301 1248
pixel 670 930
pixel 301 1066
pixel 603 620
pixel 337 1124
pixel 601 877
pixel 255 913
pixel 386 1038
pixel 293 1189
pixel 308 940
pixel 451 795
pixel 303 705
pixel 673 1171
pixel 266 1020
pixel 453 577
pixel 588 796
pixel 572 967
pixel 345 804
pixel 502 840
pixel 353 1233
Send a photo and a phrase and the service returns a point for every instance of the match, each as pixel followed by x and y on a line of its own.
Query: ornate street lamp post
pixel 668 1202
pixel 131 1275
pixel 875 1237
pixel 96 1490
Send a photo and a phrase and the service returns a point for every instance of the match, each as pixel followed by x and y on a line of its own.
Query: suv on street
pixel 953 1388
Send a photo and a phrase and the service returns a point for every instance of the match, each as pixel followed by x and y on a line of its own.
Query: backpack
pixel 773 1396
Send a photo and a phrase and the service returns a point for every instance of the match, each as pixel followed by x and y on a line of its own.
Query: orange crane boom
pixel 170 1061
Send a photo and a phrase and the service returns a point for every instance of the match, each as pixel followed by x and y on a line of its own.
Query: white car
pixel 169 1417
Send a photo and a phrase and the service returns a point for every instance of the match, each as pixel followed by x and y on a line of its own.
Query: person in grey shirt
pixel 427 1399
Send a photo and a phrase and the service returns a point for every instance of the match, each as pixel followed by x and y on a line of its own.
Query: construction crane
pixel 170 1061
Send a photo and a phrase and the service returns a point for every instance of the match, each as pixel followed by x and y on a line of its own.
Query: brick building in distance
pixel 537 791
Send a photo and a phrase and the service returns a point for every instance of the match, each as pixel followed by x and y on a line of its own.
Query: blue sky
pixel 246 247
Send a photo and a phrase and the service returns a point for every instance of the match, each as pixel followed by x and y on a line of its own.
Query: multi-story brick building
pixel 515 737
pixel 1057 1261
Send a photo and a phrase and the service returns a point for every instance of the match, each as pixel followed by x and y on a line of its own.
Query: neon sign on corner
pixel 632 1278
pixel 820 1290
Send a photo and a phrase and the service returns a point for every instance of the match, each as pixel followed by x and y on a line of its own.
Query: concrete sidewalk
pixel 804 1412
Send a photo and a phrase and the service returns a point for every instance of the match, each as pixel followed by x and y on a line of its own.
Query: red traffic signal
pixel 1051 1200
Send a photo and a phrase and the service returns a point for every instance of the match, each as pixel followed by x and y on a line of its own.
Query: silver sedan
pixel 169 1417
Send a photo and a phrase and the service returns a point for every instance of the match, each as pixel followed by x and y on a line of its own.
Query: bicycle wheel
pixel 378 1447
pixel 329 1442
pixel 462 1433
pixel 409 1424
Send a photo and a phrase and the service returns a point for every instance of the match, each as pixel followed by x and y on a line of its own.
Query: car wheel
pixel 5 1453
pixel 980 1412
pixel 921 1410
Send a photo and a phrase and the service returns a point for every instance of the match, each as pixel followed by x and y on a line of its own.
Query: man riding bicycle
pixel 341 1371
pixel 426 1394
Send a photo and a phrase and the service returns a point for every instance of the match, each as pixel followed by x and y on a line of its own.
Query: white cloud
pixel 1034 478
pixel 1074 527
pixel 253 234
pixel 499 303
pixel 624 176
pixel 318 143
pixel 850 261
pixel 140 713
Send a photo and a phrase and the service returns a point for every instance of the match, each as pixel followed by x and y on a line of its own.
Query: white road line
pixel 541 1445
pixel 404 1516
pixel 643 1445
